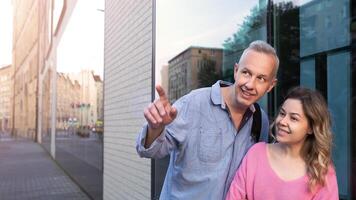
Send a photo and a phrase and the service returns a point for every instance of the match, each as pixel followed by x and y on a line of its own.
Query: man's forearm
pixel 152 134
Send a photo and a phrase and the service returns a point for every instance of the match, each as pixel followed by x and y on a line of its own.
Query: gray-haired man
pixel 208 131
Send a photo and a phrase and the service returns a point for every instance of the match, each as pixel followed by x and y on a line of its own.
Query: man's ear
pixel 274 83
pixel 236 67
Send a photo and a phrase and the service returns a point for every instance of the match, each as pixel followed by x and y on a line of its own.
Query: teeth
pixel 247 93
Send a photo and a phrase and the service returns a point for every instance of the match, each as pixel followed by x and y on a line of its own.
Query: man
pixel 208 131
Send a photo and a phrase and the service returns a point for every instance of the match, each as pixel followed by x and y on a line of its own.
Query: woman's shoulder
pixel 257 148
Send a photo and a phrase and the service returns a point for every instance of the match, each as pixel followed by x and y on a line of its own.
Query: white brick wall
pixel 127 90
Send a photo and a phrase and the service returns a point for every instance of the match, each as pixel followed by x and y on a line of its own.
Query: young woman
pixel 299 166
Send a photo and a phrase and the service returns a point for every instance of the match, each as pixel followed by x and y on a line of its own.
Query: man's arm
pixel 158 114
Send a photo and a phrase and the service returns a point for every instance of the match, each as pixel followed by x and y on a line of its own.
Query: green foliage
pixel 242 37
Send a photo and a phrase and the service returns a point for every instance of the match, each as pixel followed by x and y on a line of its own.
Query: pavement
pixel 28 172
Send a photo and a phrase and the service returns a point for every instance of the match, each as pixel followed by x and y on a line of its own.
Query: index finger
pixel 161 93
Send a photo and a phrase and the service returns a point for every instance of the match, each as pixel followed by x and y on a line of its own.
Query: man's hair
pixel 263 47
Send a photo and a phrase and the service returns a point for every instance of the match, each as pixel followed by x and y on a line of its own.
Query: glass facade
pixel 75 91
pixel 317 54
pixel 315 41
pixel 207 39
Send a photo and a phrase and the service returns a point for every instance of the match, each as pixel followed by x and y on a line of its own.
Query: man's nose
pixel 250 84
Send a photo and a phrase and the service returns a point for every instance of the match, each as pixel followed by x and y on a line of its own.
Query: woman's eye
pixel 294 119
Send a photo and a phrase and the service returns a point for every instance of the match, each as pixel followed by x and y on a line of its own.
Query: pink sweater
pixel 255 180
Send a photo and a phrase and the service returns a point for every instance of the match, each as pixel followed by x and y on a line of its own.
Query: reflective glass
pixel 198 43
pixel 78 89
pixel 313 41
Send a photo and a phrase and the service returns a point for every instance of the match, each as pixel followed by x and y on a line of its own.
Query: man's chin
pixel 245 102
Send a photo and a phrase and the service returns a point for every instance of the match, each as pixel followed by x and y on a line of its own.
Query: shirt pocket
pixel 210 145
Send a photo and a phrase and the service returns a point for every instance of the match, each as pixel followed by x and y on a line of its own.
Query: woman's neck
pixel 289 151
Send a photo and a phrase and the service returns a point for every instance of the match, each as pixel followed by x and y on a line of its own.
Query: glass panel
pixel 339 105
pixel 313 42
pixel 197 43
pixel 79 110
pixel 286 34
pixel 307 73
pixel 324 26
pixel 46 110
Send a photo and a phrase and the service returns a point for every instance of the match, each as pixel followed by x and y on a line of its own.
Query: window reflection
pixel 78 88
pixel 199 46
pixel 313 42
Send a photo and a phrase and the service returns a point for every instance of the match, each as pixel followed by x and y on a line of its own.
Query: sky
pixel 205 23
pixel 6 32
pixel 179 24
pixel 82 44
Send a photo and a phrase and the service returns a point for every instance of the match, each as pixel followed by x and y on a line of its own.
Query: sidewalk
pixel 28 172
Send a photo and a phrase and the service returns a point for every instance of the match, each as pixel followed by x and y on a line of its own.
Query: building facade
pixel 69 107
pixel 128 73
pixel 27 54
pixel 6 98
pixel 88 96
pixel 183 69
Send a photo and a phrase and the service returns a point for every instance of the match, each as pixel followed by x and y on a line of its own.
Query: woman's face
pixel 292 125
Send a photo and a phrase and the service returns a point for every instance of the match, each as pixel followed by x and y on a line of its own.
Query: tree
pixel 207 72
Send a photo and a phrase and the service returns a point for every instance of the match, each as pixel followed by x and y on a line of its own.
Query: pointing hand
pixel 160 112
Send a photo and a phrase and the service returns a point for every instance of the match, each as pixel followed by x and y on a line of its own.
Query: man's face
pixel 254 76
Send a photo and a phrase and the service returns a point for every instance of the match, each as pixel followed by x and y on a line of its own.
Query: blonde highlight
pixel 317 147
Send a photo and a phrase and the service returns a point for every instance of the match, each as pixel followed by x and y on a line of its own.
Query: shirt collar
pixel 216 96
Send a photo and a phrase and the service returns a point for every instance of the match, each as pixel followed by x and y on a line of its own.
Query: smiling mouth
pixel 283 130
pixel 246 92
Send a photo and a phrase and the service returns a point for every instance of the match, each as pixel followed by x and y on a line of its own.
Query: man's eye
pixel 261 79
pixel 245 73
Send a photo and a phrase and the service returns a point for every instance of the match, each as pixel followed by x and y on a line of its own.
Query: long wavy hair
pixel 316 150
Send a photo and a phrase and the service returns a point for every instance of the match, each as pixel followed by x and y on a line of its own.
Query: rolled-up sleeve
pixel 171 137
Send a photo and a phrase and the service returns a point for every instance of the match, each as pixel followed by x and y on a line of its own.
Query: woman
pixel 299 166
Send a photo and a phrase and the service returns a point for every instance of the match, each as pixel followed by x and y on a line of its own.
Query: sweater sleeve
pixel 330 190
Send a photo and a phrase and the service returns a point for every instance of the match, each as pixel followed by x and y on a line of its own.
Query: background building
pixel 89 83
pixel 6 98
pixel 28 51
pixel 183 69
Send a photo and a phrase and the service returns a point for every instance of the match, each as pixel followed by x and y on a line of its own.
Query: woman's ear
pixel 310 131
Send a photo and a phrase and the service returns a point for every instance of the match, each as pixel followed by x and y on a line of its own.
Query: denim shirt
pixel 204 146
